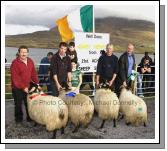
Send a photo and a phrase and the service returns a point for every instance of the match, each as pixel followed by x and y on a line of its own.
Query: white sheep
pixel 133 108
pixel 80 109
pixel 47 110
pixel 106 105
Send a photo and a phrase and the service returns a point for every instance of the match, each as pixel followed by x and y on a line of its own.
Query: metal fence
pixel 143 88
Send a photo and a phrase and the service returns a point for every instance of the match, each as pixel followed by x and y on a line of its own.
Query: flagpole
pixel 93 34
pixel 93 21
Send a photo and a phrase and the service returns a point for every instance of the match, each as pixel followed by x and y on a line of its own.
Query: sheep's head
pixel 125 88
pixel 104 86
pixel 34 88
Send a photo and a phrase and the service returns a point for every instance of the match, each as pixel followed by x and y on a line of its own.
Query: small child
pixel 76 79
pixel 71 52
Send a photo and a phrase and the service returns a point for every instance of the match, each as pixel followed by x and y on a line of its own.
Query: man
pixel 44 72
pixel 60 69
pixel 22 73
pixel 107 68
pixel 126 65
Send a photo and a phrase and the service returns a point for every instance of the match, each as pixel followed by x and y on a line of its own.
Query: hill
pixel 122 31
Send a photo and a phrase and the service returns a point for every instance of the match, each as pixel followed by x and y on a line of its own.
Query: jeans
pixel 139 84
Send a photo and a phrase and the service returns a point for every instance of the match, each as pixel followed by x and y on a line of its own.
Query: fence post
pixel 134 83
pixel 94 80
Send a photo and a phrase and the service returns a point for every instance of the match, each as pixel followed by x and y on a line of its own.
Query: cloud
pixel 29 18
pixel 11 29
pixel 143 12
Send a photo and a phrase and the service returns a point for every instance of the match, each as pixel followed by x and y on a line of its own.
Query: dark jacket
pixel 123 67
pixel 60 67
pixel 71 53
pixel 43 69
pixel 107 66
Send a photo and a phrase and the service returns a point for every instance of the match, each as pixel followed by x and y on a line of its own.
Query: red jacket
pixel 22 74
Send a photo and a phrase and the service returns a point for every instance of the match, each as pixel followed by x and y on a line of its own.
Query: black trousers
pixel 19 97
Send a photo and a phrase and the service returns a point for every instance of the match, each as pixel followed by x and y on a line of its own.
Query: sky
pixel 20 19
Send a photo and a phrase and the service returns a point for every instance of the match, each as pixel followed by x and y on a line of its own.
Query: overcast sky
pixel 26 19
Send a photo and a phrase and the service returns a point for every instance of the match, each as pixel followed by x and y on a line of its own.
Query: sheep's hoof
pixel 114 120
pixel 102 124
pixel 86 126
pixel 128 123
pixel 54 134
pixel 35 124
pixel 76 129
pixel 62 130
pixel 145 124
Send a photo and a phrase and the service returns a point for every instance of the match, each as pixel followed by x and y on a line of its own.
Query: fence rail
pixel 139 88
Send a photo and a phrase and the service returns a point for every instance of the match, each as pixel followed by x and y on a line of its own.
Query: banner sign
pixel 88 46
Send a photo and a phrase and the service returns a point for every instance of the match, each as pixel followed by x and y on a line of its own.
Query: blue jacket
pixel 43 69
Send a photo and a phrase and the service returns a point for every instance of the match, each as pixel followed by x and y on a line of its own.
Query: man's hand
pixel 39 88
pixel 124 83
pixel 59 87
pixel 97 84
pixel 69 85
pixel 110 83
pixel 25 90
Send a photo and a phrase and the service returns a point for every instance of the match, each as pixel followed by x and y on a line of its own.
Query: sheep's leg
pixel 54 134
pixel 145 124
pixel 62 130
pixel 76 128
pixel 86 126
pixel 121 116
pixel 102 124
pixel 114 121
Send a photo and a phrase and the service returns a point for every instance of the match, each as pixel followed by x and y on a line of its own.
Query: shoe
pixel 142 96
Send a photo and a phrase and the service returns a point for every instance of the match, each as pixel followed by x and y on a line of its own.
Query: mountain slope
pixel 122 31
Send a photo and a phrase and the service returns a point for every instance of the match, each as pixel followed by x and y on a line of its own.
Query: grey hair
pixel 109 45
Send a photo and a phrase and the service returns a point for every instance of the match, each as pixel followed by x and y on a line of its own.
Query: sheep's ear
pixel 129 88
pixel 31 90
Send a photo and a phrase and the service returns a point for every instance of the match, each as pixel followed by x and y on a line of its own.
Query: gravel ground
pixel 122 131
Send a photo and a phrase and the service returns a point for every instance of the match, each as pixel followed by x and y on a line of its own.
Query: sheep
pixel 106 105
pixel 80 109
pixel 133 108
pixel 47 110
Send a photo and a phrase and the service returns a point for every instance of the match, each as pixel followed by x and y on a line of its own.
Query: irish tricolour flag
pixel 80 20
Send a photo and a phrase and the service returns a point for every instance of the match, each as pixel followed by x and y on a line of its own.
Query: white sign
pixel 88 46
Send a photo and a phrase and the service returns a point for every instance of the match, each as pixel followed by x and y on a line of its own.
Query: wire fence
pixel 145 84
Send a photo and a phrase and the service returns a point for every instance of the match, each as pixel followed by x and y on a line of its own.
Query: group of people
pixel 64 72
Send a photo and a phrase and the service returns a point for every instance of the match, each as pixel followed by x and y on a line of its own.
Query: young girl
pixel 76 79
